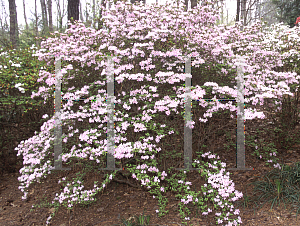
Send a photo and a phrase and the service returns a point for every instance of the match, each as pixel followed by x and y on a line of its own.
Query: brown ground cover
pixel 124 198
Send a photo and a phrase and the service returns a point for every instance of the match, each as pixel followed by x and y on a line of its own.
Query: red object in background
pixel 297 21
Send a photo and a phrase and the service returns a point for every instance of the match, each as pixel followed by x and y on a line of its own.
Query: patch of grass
pixel 278 185
pixel 140 221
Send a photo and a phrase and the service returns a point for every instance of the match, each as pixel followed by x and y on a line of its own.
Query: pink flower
pixel 298 20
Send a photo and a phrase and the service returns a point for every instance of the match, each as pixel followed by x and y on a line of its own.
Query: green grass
pixel 277 186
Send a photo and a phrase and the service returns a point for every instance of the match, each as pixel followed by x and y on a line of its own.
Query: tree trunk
pixel 222 13
pixel 73 11
pixel 60 15
pixel 243 12
pixel 36 25
pixel 44 18
pixel 25 15
pixel 13 31
pixel 100 23
pixel 94 21
pixel 49 3
pixel 80 11
pixel 86 15
pixel 4 27
pixel 238 11
pixel 257 11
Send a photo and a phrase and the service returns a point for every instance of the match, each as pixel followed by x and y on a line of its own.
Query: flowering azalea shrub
pixel 19 72
pixel 146 43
